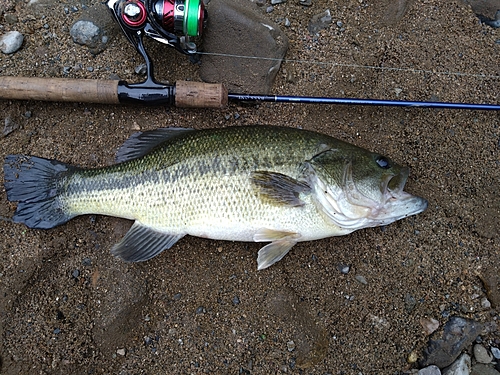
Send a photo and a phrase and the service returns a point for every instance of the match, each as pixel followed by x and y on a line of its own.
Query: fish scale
pixel 253 183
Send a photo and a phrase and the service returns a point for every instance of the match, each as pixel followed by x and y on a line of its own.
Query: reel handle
pixel 183 94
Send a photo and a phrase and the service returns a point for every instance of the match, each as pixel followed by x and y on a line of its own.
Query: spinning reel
pixel 171 22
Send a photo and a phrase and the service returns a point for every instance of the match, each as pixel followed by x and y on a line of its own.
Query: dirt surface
pixel 67 306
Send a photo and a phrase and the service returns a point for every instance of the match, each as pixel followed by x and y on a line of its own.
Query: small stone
pixel 485 303
pixel 344 268
pixel 10 18
pixel 120 352
pixel 482 369
pixel 431 370
pixel 290 345
pixel 236 300
pixel 141 69
pixel 177 296
pixel 495 352
pixel 9 126
pixel 306 3
pixel 86 262
pixel 274 2
pixel 429 325
pixel 200 310
pixel 361 279
pixel 412 357
pixel 460 367
pixel 481 354
pixel 319 22
pixel 57 331
pixel 75 273
pixel 287 22
pixel 269 9
pixel 410 303
pixel 11 41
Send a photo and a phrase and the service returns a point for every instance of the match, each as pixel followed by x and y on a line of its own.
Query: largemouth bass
pixel 254 183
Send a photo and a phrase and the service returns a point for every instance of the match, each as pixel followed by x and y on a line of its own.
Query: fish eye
pixel 383 162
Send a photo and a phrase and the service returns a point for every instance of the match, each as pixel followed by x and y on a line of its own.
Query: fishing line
pixel 357 66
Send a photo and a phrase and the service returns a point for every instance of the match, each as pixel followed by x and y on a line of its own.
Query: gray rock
pixel 488 11
pixel 94 29
pixel 482 369
pixel 238 27
pixel 481 354
pixel 9 126
pixel 495 352
pixel 11 41
pixel 319 22
pixel 443 348
pixel 361 279
pixel 460 367
pixel 430 370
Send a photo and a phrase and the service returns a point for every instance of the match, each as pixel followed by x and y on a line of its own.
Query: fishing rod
pixel 176 23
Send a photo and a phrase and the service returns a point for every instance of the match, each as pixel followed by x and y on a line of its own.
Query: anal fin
pixel 142 243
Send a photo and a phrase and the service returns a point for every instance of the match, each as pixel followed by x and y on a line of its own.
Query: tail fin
pixel 36 183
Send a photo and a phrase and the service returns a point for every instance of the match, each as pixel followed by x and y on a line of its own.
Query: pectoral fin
pixel 279 188
pixel 281 244
pixel 142 243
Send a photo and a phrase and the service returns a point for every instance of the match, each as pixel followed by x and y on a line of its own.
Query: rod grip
pixel 59 89
pixel 200 95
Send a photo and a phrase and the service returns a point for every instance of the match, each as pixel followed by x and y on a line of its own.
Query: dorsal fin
pixel 141 143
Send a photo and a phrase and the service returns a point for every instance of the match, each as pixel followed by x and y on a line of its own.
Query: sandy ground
pixel 67 306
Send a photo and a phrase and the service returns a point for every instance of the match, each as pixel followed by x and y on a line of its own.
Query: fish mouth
pixel 398 203
pixel 396 184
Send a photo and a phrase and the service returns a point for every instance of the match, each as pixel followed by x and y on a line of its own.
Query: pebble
pixel 120 352
pixel 319 22
pixel 306 3
pixel 11 41
pixel 361 279
pixel 236 300
pixel 495 352
pixel 482 369
pixel 344 268
pixel 290 345
pixel 177 296
pixel 430 370
pixel 9 126
pixel 141 69
pixel 460 367
pixel 89 34
pixel 200 310
pixel 485 303
pixel 410 303
pixel 429 325
pixel 87 262
pixel 481 354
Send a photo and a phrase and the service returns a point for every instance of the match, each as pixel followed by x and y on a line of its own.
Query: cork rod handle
pixel 59 89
